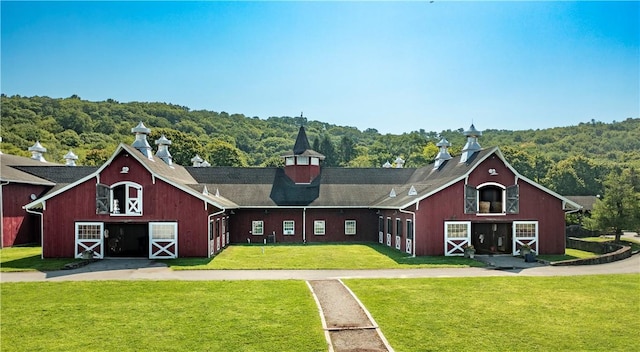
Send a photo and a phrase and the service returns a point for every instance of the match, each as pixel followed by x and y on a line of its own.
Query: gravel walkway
pixel 348 326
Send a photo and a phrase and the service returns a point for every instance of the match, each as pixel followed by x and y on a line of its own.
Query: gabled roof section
pixel 59 174
pixel 175 175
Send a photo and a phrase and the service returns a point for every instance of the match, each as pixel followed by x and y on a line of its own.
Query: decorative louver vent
pixel 412 191
pixel 392 194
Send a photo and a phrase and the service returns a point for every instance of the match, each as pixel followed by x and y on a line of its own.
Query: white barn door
pixel 90 239
pixel 163 240
pixel 525 233
pixel 457 235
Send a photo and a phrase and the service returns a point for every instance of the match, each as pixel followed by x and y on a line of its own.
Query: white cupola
pixel 141 143
pixel 472 145
pixel 443 153
pixel 197 161
pixel 70 158
pixel 36 152
pixel 163 150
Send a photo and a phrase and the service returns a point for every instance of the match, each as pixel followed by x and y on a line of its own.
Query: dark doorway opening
pixel 126 240
pixel 492 238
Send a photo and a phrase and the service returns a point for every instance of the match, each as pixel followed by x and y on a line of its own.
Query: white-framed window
pixel 289 160
pixel 257 227
pixel 315 161
pixel 410 229
pixel 119 199
pixel 457 235
pixel 457 229
pixel 491 198
pixel 398 227
pixel 89 237
pixel 525 229
pixel 302 160
pixel 349 227
pixel 288 227
pixel 163 240
pixel 318 227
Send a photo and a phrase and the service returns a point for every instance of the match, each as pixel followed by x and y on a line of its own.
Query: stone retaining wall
pixel 609 252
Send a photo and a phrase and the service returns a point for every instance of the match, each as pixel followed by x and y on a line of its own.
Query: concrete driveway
pixel 144 269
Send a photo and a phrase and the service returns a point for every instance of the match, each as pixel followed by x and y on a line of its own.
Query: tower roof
pixel 302 142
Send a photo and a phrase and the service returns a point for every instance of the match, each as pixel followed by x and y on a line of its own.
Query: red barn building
pixel 138 204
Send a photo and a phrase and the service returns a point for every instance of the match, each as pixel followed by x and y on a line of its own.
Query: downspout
pixel 304 225
pixel 41 228
pixel 413 242
pixel 209 217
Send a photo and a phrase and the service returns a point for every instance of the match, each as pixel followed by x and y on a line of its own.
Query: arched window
pixel 491 198
pixel 126 198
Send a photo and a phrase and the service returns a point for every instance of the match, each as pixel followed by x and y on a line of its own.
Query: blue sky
pixel 395 67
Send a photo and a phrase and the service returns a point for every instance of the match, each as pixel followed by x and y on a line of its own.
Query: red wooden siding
pixel 302 173
pixel 161 202
pixel 18 226
pixel 448 205
pixel 366 225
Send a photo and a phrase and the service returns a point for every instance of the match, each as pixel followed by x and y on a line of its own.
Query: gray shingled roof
pixel 59 174
pixel 10 172
pixel 586 202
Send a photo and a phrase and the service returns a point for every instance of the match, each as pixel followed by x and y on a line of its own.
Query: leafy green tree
pixel 346 150
pixel 329 151
pixel 619 208
pixel 183 146
pixel 222 153
pixel 576 176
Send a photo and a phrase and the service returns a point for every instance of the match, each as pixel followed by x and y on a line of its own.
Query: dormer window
pixel 302 160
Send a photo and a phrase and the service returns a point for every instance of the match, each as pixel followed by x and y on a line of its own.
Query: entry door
pixel 89 239
pixel 163 240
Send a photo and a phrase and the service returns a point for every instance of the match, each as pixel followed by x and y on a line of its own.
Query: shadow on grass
pixel 407 259
pixel 35 263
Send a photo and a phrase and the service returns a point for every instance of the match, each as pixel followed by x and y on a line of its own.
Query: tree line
pixel 572 160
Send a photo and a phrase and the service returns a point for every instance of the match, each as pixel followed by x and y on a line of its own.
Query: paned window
pixel 349 227
pixel 257 227
pixel 89 231
pixel 315 161
pixel 288 227
pixel 163 231
pixel 318 227
pixel 525 229
pixel 302 160
pixel 289 160
pixel 457 229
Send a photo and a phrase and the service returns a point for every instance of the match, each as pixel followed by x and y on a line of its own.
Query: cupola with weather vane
pixel 302 164
pixel 472 146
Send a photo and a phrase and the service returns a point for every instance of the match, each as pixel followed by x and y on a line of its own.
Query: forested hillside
pixel 571 160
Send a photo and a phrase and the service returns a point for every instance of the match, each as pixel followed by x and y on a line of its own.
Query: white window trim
pixel 532 241
pixel 347 228
pixel 160 248
pixel 302 160
pixel 288 232
pixel 315 161
pixel 254 225
pixel 92 244
pixel 289 160
pixel 455 245
pixel 131 206
pixel 316 229
pixel 504 199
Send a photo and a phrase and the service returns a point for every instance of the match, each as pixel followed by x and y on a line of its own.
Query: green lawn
pixel 570 253
pixel 633 243
pixel 28 259
pixel 317 256
pixel 160 316
pixel 582 313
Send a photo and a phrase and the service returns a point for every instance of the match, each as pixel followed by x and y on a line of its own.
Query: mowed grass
pixel 570 253
pixel 581 313
pixel 317 256
pixel 160 316
pixel 28 259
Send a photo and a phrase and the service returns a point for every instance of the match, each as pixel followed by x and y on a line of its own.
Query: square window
pixel 289 160
pixel 257 228
pixel 302 160
pixel 349 227
pixel 315 161
pixel 318 227
pixel 288 227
